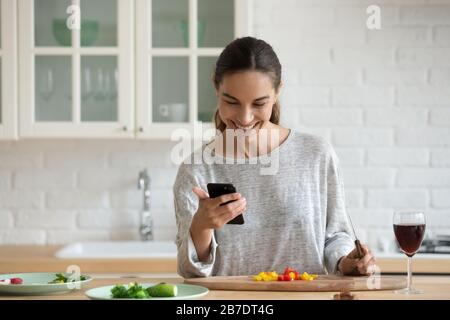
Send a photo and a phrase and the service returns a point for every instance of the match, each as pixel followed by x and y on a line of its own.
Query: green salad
pixel 61 278
pixel 137 291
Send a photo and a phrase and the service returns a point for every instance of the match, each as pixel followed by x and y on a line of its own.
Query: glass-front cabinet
pixel 177 45
pixel 8 73
pixel 76 75
pixel 121 68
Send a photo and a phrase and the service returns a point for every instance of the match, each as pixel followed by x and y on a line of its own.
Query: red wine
pixel 409 237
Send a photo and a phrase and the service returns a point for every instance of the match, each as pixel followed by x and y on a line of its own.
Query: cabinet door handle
pixel 124 128
pixel 141 129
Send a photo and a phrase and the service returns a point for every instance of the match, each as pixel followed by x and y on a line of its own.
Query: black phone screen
pixel 218 189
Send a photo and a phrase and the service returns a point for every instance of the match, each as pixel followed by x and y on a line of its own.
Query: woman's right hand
pixel 210 213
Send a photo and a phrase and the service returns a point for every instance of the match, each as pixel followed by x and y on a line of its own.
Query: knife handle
pixel 359 248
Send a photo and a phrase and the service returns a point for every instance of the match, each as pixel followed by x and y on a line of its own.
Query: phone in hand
pixel 218 189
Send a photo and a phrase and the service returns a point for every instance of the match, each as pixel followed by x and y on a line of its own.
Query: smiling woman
pixel 258 100
pixel 294 216
pixel 241 110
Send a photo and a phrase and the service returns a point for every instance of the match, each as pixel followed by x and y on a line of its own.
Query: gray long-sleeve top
pixel 294 218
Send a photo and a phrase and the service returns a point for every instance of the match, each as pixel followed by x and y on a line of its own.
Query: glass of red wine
pixel 409 229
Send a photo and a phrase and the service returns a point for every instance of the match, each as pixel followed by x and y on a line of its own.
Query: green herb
pixel 134 291
pixel 61 278
pixel 119 291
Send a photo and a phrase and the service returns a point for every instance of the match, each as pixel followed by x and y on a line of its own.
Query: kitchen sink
pixel 118 249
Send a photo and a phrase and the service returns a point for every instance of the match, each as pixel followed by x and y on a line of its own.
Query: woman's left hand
pixel 353 265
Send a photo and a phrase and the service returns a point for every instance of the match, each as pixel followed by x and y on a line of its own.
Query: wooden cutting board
pixel 322 283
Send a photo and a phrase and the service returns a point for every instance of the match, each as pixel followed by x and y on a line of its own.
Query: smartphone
pixel 218 189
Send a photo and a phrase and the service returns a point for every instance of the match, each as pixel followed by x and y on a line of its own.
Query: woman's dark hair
pixel 244 54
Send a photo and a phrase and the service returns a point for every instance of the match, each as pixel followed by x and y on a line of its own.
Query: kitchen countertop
pixel 15 259
pixel 435 287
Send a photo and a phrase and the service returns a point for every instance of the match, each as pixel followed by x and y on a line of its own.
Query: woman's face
pixel 246 99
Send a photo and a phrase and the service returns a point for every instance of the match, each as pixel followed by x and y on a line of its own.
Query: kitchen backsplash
pixel 381 97
pixel 59 191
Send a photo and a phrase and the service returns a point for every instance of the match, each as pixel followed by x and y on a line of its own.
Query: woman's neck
pixel 238 144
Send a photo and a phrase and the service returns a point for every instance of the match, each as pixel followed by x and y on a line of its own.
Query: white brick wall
pixel 440 157
pixel 440 198
pixel 5 180
pixel 351 96
pixel 428 137
pixel 380 96
pixel 52 219
pixel 396 156
pixel 423 178
pixel 418 57
pixel 6 219
pixel 442 36
pixel 397 198
pixel 363 137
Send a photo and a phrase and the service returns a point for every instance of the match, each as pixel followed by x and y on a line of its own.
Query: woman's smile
pixel 247 127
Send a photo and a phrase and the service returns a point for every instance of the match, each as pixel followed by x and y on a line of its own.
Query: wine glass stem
pixel 409 273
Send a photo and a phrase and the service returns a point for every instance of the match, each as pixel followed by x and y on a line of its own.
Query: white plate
pixel 38 284
pixel 185 291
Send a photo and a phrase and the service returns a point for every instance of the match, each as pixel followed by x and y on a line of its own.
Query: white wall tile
pixel 440 198
pixel 48 219
pixel 368 177
pixel 419 56
pixel 68 236
pixel 422 96
pixel 367 96
pixel 350 157
pixel 6 219
pixel 77 199
pixel 331 116
pixel 5 180
pixel 440 117
pixel 442 36
pixel 358 137
pixel 394 36
pixel 22 236
pixel 45 179
pixel 396 156
pixel 427 137
pixel 423 177
pixel 440 157
pixel 395 198
pixel 428 15
pixel 397 117
pixel 19 199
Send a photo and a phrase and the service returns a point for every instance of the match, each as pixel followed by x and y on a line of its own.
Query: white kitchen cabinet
pixel 76 82
pixel 135 68
pixel 8 73
pixel 175 59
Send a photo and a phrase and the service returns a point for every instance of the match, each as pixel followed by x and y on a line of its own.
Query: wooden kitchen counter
pixel 435 287
pixel 15 259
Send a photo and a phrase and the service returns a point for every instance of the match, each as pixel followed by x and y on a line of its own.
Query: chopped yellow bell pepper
pixel 308 277
pixel 288 275
pixel 266 276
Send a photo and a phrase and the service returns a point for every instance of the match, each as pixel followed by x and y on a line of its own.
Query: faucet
pixel 146 227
